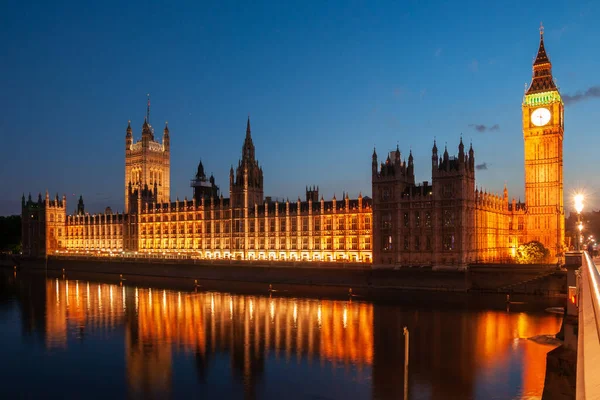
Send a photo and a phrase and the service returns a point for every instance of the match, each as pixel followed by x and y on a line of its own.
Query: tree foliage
pixel 10 233
pixel 532 252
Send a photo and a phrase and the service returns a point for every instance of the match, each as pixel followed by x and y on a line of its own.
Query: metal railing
pixel 593 281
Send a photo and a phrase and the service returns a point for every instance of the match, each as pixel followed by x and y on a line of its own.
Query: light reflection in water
pixel 452 350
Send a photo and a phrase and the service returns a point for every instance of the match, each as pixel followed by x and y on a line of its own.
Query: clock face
pixel 540 116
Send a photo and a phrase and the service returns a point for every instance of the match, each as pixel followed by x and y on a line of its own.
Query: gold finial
pixel 541 29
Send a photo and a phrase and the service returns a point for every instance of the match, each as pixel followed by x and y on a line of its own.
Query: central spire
pixel 248 149
pixel 248 136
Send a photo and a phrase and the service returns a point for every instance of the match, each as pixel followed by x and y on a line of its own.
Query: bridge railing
pixel 588 337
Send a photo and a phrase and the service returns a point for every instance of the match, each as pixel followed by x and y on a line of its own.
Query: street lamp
pixel 579 208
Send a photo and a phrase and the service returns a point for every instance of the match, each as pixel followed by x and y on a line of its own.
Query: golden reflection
pixel 333 332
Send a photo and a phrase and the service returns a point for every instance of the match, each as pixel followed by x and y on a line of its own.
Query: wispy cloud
pixel 438 52
pixel 481 166
pixel 474 66
pixel 483 128
pixel 589 93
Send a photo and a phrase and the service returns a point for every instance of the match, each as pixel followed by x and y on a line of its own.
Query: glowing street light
pixel 578 200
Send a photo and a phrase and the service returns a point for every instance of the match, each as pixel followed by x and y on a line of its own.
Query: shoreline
pixel 316 281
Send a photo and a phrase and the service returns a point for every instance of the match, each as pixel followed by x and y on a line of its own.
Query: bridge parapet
pixel 588 333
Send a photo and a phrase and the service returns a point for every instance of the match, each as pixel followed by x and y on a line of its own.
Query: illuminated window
pixel 417 219
pixel 317 224
pixel 428 219
pixel 406 221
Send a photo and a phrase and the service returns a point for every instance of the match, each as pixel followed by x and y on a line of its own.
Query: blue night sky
pixel 322 82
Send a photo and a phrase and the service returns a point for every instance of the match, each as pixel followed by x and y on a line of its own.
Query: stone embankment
pixel 501 278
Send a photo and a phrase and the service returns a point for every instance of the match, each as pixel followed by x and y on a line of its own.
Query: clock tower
pixel 543 128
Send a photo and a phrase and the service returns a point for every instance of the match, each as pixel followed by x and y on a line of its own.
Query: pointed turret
pixel 128 136
pixel 542 70
pixel 397 155
pixel 248 149
pixel 166 137
pixel 374 162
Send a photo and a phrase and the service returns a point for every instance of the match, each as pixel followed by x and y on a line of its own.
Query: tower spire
pixel 148 109
pixel 248 135
pixel 542 80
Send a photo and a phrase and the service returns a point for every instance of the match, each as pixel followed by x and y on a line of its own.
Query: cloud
pixel 474 66
pixel 482 128
pixel 590 93
pixel 481 166
pixel 438 52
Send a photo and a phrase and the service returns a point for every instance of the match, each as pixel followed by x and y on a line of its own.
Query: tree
pixel 532 253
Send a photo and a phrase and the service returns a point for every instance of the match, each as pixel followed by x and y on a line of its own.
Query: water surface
pixel 64 338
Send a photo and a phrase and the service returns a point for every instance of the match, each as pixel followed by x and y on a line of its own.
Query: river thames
pixel 64 338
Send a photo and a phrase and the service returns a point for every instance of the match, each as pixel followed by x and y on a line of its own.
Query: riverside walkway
pixel 584 303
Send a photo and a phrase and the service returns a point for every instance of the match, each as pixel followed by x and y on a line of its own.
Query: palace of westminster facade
pixel 446 222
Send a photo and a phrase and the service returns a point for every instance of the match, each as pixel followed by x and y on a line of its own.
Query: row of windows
pixel 262 244
pixel 448 243
pixel 238 226
pixel 199 217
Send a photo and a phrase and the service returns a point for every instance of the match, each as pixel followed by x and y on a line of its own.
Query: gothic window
pixel 406 243
pixel 387 243
pixel 317 244
pixel 367 243
pixel 448 242
pixel 217 227
pixel 261 225
pixel 417 219
pixel 328 245
pixel 367 223
pixel 305 224
pixel 386 220
pixel 428 243
pixel 317 223
pixel 448 218
pixel 282 225
pixel 520 226
pixel 417 243
pixel 252 226
pixel 272 225
pixel 305 243
pixel 294 225
pixel 354 223
pixel 354 245
pixel 340 224
pixel 510 224
pixel 385 195
pixel 406 220
pixel 428 219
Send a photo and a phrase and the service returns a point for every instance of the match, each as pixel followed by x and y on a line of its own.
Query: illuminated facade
pixel 450 221
pixel 446 222
pixel 543 128
pixel 147 162
pixel 245 226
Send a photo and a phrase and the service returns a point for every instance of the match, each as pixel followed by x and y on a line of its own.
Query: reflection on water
pixel 171 344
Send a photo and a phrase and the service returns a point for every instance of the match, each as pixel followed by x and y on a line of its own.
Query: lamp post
pixel 579 207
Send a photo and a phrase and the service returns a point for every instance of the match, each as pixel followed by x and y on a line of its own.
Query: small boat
pixel 556 310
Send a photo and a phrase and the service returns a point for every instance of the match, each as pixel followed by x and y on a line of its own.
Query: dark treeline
pixel 10 233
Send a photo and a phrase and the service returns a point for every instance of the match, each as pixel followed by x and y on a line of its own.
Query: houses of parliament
pixel 448 221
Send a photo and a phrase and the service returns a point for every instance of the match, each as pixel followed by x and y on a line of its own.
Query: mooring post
pixel 406 347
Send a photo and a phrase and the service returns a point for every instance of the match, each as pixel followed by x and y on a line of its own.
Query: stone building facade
pixel 246 226
pixel 147 161
pixel 448 221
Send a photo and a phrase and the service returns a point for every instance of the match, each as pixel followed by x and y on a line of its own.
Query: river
pixel 65 338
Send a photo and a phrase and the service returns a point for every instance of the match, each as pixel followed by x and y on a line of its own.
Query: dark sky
pixel 323 83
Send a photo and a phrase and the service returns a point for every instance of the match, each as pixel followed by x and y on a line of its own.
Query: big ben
pixel 543 128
